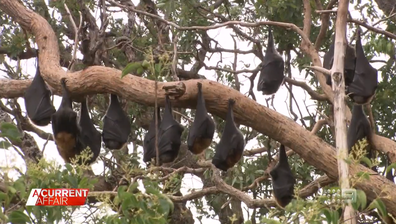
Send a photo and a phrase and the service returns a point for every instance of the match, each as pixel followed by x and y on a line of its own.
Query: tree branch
pixel 99 79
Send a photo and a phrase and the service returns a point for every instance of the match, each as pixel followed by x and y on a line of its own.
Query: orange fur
pixel 65 143
pixel 200 144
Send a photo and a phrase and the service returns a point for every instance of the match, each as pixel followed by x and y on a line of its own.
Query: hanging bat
pixel 89 134
pixel 201 132
pixel 359 128
pixel 230 148
pixel 365 81
pixel 149 151
pixel 349 63
pixel 116 125
pixel 38 103
pixel 66 130
pixel 272 70
pixel 170 132
pixel 282 180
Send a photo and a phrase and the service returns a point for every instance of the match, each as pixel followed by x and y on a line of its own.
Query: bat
pixel 272 69
pixel 282 180
pixel 230 148
pixel 149 151
pixel 38 103
pixel 66 130
pixel 349 63
pixel 116 125
pixel 365 81
pixel 89 134
pixel 359 128
pixel 202 130
pixel 170 132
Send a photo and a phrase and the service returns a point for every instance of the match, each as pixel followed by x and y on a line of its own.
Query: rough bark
pixel 98 79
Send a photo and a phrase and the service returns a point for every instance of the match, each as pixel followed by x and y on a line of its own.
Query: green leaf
pixel 366 161
pixel 18 217
pixel 10 131
pixel 363 175
pixel 378 204
pixel 131 67
pixel 361 199
pixel 4 145
pixel 390 167
pixel 3 196
pixel 20 187
pixel 158 67
pixel 12 190
pixel 327 213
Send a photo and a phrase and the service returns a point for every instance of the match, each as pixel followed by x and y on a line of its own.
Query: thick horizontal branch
pixel 98 79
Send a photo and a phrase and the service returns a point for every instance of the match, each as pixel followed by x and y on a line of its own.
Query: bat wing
pixel 357 131
pixel 169 135
pixel 116 129
pixel 362 85
pixel 273 71
pixel 201 129
pixel 93 139
pixel 38 101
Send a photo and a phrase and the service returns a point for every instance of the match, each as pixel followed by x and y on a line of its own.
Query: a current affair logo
pixel 57 197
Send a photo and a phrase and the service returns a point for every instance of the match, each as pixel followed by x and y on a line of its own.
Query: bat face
pixel 349 63
pixel 38 103
pixel 149 151
pixel 282 180
pixel 365 81
pixel 116 125
pixel 66 130
pixel 90 135
pixel 201 132
pixel 359 128
pixel 272 71
pixel 170 132
pixel 230 148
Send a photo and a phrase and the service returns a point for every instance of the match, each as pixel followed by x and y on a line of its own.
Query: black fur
pixel 90 135
pixel 349 63
pixel 116 125
pixel 149 139
pixel 170 132
pixel 67 132
pixel 365 81
pixel 282 179
pixel 202 130
pixel 360 128
pixel 272 70
pixel 232 143
pixel 38 103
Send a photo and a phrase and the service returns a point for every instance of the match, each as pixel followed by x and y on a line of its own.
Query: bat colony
pixel 72 136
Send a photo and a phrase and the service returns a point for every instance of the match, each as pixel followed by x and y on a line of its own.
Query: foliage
pixel 135 43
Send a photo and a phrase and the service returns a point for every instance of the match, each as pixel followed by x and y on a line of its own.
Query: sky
pixel 11 158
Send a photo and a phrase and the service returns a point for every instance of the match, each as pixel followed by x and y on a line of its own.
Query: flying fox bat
pixel 349 63
pixel 170 132
pixel 230 148
pixel 365 81
pixel 116 125
pixel 202 130
pixel 149 151
pixel 38 103
pixel 272 70
pixel 282 179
